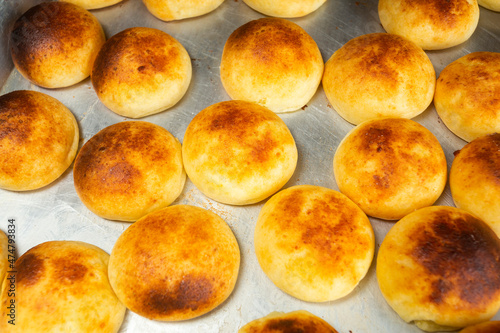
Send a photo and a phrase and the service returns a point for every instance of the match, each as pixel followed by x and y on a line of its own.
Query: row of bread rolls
pixel 389 167
pixel 169 10
pixel 437 267
pixel 440 33
pixel 271 61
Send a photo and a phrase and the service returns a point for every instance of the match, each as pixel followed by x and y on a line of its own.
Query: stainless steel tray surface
pixel 56 213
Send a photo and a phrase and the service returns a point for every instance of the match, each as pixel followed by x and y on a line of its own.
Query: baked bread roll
pixel 379 75
pixel 54 44
pixel 238 152
pixel 272 62
pixel 61 286
pixel 390 167
pixel 433 24
pixel 439 267
pixel 128 170
pixel 474 179
pixel 169 10
pixel 313 243
pixel 4 255
pixel 466 97
pixel 38 140
pixel 486 327
pixel 93 4
pixel 141 71
pixel 175 264
pixel 285 8
pixel 490 4
pixel 296 321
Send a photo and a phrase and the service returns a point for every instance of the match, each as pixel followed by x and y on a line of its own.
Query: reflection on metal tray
pixel 56 213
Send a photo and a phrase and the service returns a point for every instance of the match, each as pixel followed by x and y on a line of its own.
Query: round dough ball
pixel 285 8
pixel 38 140
pixel 128 170
pixel 54 44
pixel 175 264
pixel 486 327
pixel 475 179
pixel 169 10
pixel 141 71
pixel 490 4
pixel 62 286
pixel 272 62
pixel 390 167
pixel 313 243
pixel 466 97
pixel 379 75
pixel 439 267
pixel 431 24
pixel 296 321
pixel 238 152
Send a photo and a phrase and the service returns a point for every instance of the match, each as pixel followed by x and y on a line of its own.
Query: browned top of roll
pixel 379 75
pixel 477 252
pixel 475 75
pixel 292 322
pixel 134 54
pixel 483 155
pixel 54 38
pixel 188 265
pixel 467 93
pixel 390 167
pixel 442 14
pixel 432 24
pixel 128 170
pixel 141 71
pixel 238 152
pixel 313 243
pixel 268 40
pixel 38 140
pixel 63 286
pixel 437 258
pixel 266 58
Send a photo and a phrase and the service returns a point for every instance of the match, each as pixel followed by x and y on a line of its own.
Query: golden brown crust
pixel 379 75
pixel 141 71
pixel 486 327
pixel 390 167
pixel 467 93
pixel 285 8
pixel 175 264
pixel 238 152
pixel 128 170
pixel 38 140
pixel 475 179
pixel 431 24
pixel 54 44
pixel 169 10
pixel 292 322
pixel 272 62
pixel 313 243
pixel 441 266
pixel 61 286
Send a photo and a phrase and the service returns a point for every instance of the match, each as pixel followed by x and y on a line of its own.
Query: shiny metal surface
pixel 56 213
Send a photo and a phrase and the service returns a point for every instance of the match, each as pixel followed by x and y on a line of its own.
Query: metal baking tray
pixel 56 213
